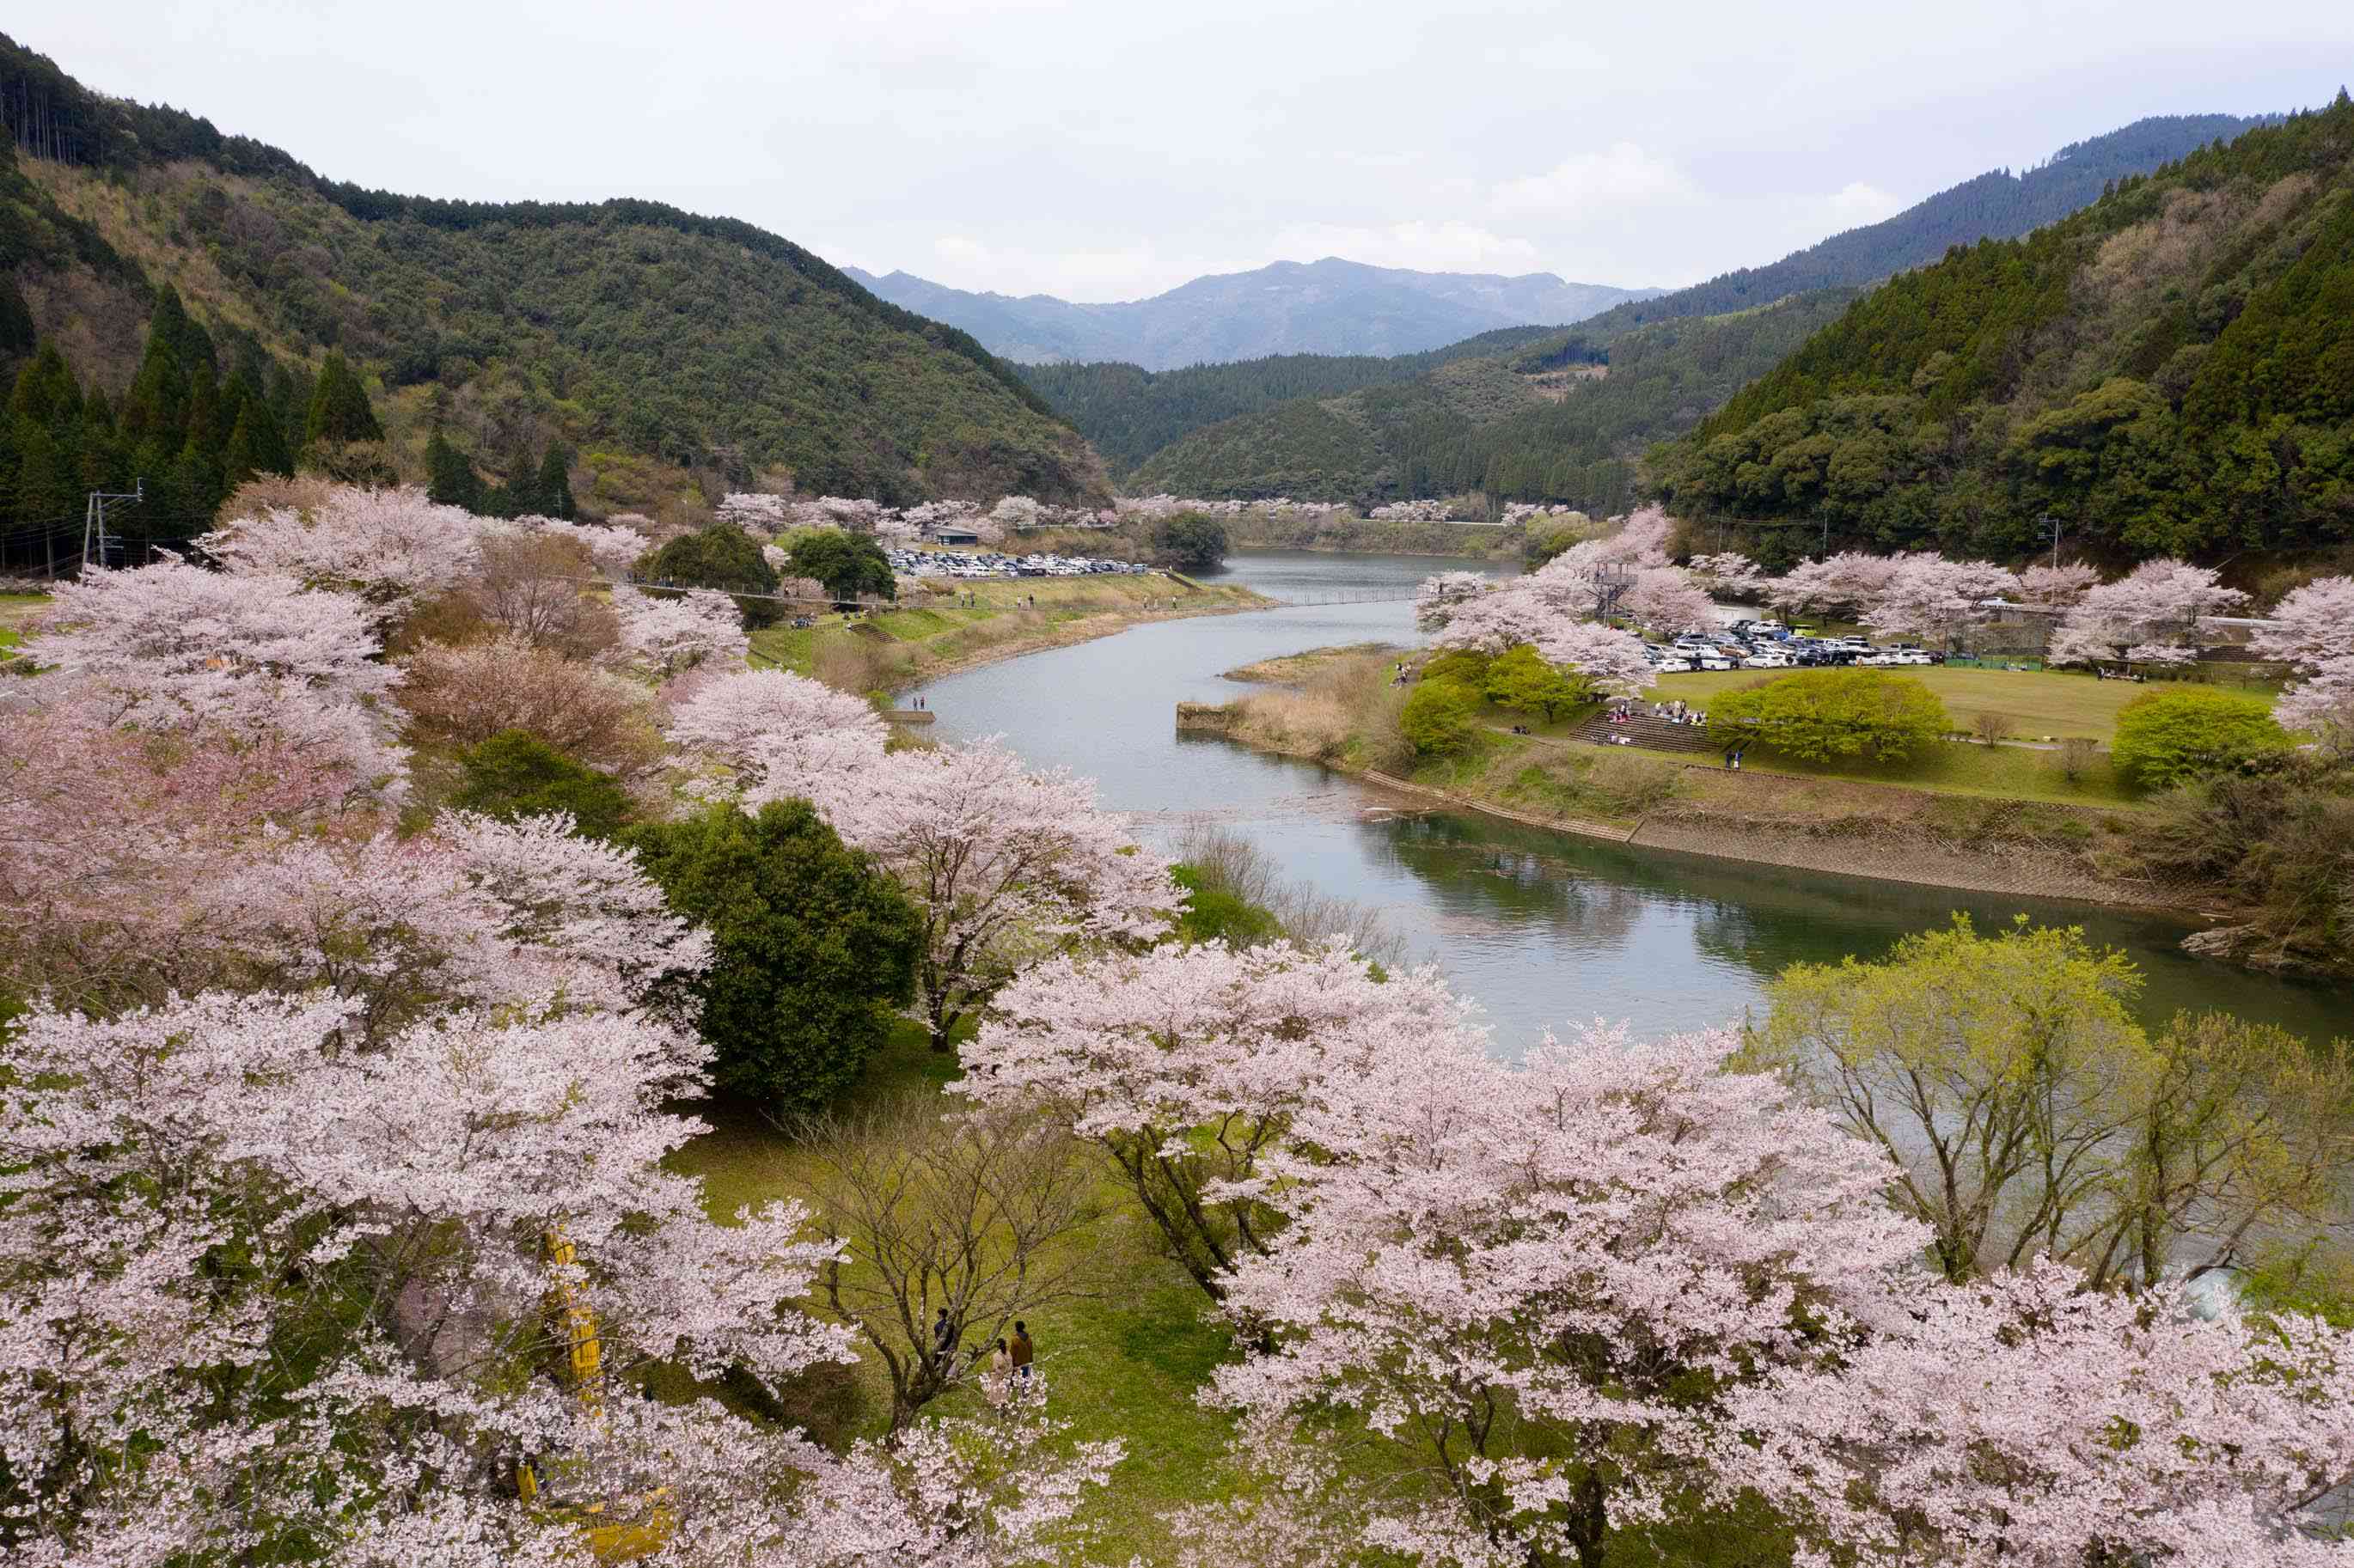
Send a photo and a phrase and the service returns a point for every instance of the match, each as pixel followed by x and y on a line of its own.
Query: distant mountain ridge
pixel 1671 360
pixel 1331 307
pixel 1997 204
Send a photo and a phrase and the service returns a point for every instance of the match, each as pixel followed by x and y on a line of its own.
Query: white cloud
pixel 1856 204
pixel 1621 174
pixel 1448 245
pixel 1565 56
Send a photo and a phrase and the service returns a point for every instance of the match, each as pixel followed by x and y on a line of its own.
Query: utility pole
pixel 93 518
pixel 2051 524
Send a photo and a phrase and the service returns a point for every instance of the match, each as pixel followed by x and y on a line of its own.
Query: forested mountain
pixel 656 344
pixel 1997 203
pixel 2170 371
pixel 1670 360
pixel 1550 421
pixel 1328 307
pixel 1129 412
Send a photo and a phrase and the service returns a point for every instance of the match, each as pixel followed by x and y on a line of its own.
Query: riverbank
pixel 1338 533
pixel 1965 837
pixel 982 622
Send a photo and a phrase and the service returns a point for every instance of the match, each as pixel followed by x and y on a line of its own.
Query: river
pixel 1543 928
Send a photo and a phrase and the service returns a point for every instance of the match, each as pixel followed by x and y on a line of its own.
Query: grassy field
pixel 927 635
pixel 2038 704
pixel 1122 1363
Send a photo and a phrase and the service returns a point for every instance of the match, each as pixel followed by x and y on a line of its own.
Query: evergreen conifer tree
pixel 555 484
pixel 450 475
pixel 339 408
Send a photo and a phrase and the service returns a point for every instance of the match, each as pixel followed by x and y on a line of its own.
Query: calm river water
pixel 1543 928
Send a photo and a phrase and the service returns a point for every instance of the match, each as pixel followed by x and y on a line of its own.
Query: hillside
pixel 2170 371
pixel 655 343
pixel 1997 203
pixel 1128 412
pixel 1656 367
pixel 1560 418
pixel 1327 307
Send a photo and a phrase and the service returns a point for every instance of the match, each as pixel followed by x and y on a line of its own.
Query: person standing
pixel 999 1383
pixel 1021 1354
pixel 944 1339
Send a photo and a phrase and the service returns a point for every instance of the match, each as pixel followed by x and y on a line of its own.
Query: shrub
pixel 517 774
pixel 466 695
pixel 1822 715
pixel 1630 786
pixel 723 556
pixel 1464 665
pixel 2166 738
pixel 1216 913
pixel 2077 755
pixel 814 947
pixel 1439 717
pixel 1991 728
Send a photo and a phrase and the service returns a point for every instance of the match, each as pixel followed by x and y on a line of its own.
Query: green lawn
pixel 1123 1362
pixel 2037 703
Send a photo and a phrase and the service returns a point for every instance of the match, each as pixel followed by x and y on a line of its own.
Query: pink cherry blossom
pixel 2023 1419
pixel 2150 615
pixel 2323 702
pixel 1930 597
pixel 1501 1268
pixel 389 546
pixel 666 633
pixel 2056 588
pixel 1007 866
pixel 779 735
pixel 2312 625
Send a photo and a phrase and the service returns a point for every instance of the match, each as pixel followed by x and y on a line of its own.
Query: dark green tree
pixel 517 774
pixel 451 478
pixel 46 392
pixel 814 947
pixel 847 564
pixel 17 334
pixel 718 556
pixel 1189 541
pixel 339 409
pixel 554 484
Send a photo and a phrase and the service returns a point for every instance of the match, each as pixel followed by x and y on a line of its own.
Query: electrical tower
pixel 94 521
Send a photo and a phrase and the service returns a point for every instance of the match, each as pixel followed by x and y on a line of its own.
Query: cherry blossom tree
pixel 84 891
pixel 465 695
pixel 174 648
pixel 1519 612
pixel 1007 866
pixel 762 515
pixel 1188 1065
pixel 614 546
pixel 2056 588
pixel 668 633
pixel 2312 625
pixel 1539 1289
pixel 1436 600
pixel 1851 581
pixel 1728 572
pixel 389 546
pixel 1929 596
pixel 1610 662
pixel 2023 1419
pixel 778 735
pixel 2151 615
pixel 231 1186
pixel 2323 702
pixel 1666 599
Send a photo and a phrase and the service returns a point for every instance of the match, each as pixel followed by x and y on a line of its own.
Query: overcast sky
pixel 1111 150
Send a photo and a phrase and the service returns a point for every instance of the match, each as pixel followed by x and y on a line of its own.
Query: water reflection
pixel 1542 928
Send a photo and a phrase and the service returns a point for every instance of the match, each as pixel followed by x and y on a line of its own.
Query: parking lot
pixel 979 564
pixel 1770 645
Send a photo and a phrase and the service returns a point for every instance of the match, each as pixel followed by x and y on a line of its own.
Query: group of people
pixel 1006 1373
pixel 1677 713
